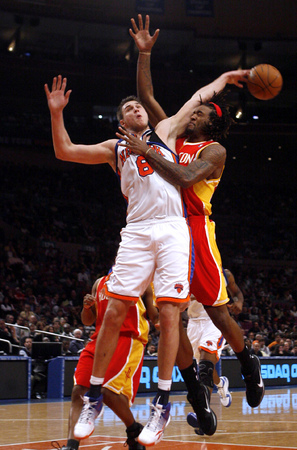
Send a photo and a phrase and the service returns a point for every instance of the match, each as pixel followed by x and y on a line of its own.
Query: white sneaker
pixel 225 396
pixel 92 408
pixel 152 433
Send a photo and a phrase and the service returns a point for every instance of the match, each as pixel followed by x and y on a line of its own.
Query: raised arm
pixel 145 42
pixel 180 120
pixel 65 149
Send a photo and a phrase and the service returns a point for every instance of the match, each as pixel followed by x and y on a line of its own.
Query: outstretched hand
pixel 237 77
pixel 135 144
pixel 142 38
pixel 56 98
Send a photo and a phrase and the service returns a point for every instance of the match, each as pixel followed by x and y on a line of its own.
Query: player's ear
pixel 122 123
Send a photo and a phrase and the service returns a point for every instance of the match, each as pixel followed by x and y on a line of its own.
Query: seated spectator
pixel 6 333
pixel 151 350
pixel 27 350
pixel 76 346
pixel 67 330
pixel 287 350
pixel 263 348
pixel 294 350
pixel 65 347
pixel 256 348
pixel 278 351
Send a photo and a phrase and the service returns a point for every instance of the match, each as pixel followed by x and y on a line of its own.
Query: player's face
pixel 135 117
pixel 199 119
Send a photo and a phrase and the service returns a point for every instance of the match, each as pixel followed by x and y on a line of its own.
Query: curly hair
pixel 218 127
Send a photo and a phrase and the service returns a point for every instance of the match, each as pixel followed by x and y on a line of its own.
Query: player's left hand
pixel 132 142
pixel 236 306
pixel 89 301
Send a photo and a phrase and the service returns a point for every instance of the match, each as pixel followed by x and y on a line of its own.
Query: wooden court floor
pixel 34 425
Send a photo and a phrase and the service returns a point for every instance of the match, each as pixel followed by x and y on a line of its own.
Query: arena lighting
pixel 14 40
pixel 238 114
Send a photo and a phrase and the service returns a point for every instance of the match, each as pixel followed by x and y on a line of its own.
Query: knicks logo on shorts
pixel 209 343
pixel 179 287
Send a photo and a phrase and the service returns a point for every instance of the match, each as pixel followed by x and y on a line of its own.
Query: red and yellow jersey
pixel 135 323
pixel 197 197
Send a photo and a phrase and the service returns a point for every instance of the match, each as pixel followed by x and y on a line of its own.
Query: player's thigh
pixel 173 260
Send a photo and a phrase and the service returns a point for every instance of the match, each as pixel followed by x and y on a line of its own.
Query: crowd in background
pixel 42 282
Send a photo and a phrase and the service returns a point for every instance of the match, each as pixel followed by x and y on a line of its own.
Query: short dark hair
pixel 218 126
pixel 123 101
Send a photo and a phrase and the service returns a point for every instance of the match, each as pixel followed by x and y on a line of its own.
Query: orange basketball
pixel 264 81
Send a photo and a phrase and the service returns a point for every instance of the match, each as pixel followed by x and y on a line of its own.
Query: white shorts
pixel 157 250
pixel 204 335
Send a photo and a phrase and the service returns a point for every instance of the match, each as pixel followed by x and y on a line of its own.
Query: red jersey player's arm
pixel 89 312
pixel 148 300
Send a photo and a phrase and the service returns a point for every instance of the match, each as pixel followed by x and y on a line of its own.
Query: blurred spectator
pixel 255 350
pixel 27 350
pixel 151 350
pixel 65 347
pixel 76 346
pixel 6 334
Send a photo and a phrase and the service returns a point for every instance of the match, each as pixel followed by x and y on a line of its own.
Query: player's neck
pixel 199 137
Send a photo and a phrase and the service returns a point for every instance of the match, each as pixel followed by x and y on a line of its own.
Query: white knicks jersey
pixel 148 195
pixel 196 310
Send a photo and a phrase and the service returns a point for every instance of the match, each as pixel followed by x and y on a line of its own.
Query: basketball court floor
pixel 273 425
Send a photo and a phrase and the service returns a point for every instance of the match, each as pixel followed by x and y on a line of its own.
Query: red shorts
pixel 208 282
pixel 124 371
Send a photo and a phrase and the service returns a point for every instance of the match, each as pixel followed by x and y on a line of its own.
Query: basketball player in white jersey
pixel 201 165
pixel 155 244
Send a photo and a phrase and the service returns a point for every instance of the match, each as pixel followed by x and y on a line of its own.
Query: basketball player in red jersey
pixel 202 161
pixel 119 390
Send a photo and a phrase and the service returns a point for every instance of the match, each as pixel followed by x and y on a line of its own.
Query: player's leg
pixel 169 314
pixel 119 404
pixel 250 364
pixel 119 390
pixel 106 344
pixel 171 283
pixel 198 394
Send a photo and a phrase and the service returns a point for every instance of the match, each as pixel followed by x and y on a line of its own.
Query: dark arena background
pixel 60 222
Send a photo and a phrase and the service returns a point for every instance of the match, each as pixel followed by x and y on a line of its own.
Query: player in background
pixel 208 342
pixel 118 390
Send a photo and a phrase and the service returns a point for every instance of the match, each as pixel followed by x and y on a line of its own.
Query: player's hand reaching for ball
pixel 236 77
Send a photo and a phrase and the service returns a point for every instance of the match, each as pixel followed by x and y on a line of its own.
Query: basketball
pixel 264 81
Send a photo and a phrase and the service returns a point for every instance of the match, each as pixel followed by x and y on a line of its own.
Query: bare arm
pixel 181 119
pixel 145 42
pixel 212 158
pixel 64 148
pixel 235 293
pixel 89 313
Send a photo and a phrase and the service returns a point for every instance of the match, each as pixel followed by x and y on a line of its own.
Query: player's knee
pixel 206 372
